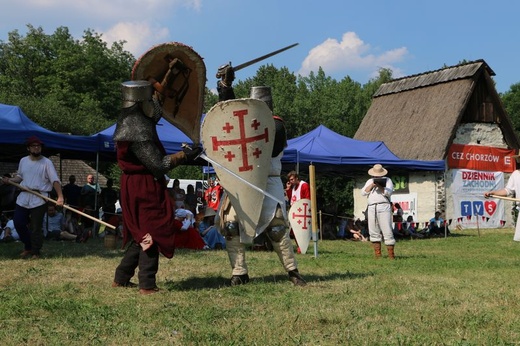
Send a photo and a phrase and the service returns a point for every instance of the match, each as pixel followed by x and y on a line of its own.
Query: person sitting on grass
pixel 209 232
pixel 188 236
pixel 355 230
pixel 53 225
pixel 409 228
pixel 9 233
pixel 73 224
pixel 437 226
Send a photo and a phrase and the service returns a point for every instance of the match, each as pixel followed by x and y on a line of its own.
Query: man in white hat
pixel 209 232
pixel 378 190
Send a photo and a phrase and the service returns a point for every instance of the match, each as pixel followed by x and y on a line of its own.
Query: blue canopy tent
pixel 332 152
pixel 171 137
pixel 17 127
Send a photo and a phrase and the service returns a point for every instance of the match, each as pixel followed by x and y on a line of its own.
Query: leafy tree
pixel 511 101
pixel 69 85
pixel 210 99
pixel 63 84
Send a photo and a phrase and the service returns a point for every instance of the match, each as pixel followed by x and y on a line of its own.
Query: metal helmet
pixel 136 91
pixel 263 93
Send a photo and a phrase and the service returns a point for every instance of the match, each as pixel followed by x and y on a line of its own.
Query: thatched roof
pixel 417 116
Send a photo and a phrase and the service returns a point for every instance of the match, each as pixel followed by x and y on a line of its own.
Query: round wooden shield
pixel 182 74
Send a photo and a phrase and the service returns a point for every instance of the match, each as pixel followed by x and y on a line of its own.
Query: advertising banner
pixel 471 209
pixel 408 202
pixel 481 158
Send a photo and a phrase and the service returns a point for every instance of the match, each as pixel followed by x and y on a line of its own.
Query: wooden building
pixel 420 117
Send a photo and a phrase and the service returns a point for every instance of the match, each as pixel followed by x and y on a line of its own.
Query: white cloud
pixel 139 36
pixel 136 21
pixel 349 55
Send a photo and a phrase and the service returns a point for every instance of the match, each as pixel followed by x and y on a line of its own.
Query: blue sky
pixel 344 37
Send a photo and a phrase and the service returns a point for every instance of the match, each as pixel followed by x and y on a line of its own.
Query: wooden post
pixel 312 181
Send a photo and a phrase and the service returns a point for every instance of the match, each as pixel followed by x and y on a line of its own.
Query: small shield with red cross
pixel 239 136
pixel 301 222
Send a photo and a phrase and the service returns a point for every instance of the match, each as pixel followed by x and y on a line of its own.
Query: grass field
pixel 464 290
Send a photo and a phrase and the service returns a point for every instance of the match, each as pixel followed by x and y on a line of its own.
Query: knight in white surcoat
pixel 273 220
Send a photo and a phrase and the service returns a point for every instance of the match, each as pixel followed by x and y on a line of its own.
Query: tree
pixel 63 84
pixel 511 101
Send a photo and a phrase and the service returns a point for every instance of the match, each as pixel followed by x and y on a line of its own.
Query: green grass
pixel 464 290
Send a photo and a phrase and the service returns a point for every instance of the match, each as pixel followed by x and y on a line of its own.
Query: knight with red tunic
pixel 149 224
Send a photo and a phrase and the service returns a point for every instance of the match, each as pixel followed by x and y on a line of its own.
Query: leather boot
pixel 390 249
pixel 377 249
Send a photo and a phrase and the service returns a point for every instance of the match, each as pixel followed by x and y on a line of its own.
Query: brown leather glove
pixel 177 159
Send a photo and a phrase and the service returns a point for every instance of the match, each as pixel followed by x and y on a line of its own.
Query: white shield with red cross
pixel 239 136
pixel 300 219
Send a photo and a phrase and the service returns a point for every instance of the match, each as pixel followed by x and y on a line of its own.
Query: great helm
pixel 135 91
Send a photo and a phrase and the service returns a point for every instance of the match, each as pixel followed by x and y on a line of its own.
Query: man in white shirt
pixel 37 173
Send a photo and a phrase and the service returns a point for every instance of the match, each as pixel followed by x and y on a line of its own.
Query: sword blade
pixel 265 193
pixel 254 61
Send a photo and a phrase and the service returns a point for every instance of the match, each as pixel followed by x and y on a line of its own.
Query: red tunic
pixel 189 239
pixel 304 192
pixel 213 196
pixel 145 203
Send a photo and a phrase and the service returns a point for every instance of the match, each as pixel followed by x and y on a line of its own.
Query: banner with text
pixel 471 209
pixel 481 158
pixel 408 202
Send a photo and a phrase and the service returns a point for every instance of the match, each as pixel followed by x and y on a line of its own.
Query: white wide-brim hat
pixel 209 212
pixel 377 171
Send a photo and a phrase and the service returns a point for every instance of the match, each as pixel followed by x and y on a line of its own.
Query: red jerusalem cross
pixel 306 214
pixel 242 141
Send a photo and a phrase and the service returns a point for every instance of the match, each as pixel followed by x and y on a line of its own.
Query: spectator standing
pixel 295 190
pixel 90 193
pixel 213 194
pixel 108 198
pixel 178 194
pixel 37 173
pixel 398 210
pixel 378 190
pixel 72 192
pixel 7 196
pixel 190 201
